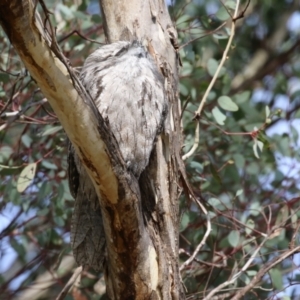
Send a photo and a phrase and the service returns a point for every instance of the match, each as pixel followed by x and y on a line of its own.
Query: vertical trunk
pixel 149 21
pixel 140 218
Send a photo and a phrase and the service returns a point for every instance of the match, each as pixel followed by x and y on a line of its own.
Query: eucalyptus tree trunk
pixel 140 218
pixel 149 20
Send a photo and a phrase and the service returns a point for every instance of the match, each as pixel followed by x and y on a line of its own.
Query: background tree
pixel 140 214
pixel 252 202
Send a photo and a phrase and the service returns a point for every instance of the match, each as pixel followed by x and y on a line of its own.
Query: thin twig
pixel 13 94
pixel 200 245
pixel 257 278
pixel 9 73
pixel 268 236
pixel 237 275
pixel 80 35
pixel 184 106
pixel 17 114
pixel 224 57
pixel 196 142
pixel 69 284
pixel 203 36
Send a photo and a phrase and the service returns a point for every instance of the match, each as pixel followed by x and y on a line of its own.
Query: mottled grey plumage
pixel 87 232
pixel 128 90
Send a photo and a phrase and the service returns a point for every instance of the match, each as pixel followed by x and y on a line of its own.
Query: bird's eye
pixel 141 54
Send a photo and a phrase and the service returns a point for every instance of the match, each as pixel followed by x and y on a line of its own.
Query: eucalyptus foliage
pixel 245 170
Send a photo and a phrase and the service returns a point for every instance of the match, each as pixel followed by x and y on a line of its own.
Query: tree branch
pixel 257 278
pixel 91 138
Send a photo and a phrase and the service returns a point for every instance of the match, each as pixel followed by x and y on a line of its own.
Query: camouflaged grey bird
pixel 128 90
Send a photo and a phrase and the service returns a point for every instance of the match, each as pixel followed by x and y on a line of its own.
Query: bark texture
pixel 150 21
pixel 140 218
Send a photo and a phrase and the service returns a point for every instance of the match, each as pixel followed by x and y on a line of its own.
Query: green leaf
pixel 242 97
pixel 62 174
pixel 83 6
pixel 284 145
pixel 255 208
pixel 222 14
pixel 43 212
pixel 80 15
pixel 79 47
pixel 257 145
pixel 96 19
pixel 4 77
pixel 48 165
pixel 26 177
pixel 67 195
pixel 193 92
pixel 249 226
pixel 211 214
pixel 239 160
pixel 66 11
pixel 214 173
pixel 227 104
pixel 197 166
pixel 214 202
pixel 220 36
pixel 260 145
pixel 267 112
pixel 264 139
pixel 183 90
pixel 282 216
pixel 253 169
pixel 251 273
pixel 26 140
pixel 5 153
pixel 183 19
pixel 218 115
pixel 294 131
pixel 294 219
pixel 52 130
pixel 186 69
pixel 59 221
pixel 18 247
pixel 239 192
pixel 230 4
pixel 212 66
pixel 25 205
pixel 233 238
pixel 276 277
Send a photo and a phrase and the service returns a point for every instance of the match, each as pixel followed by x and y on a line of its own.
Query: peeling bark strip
pixel 140 218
